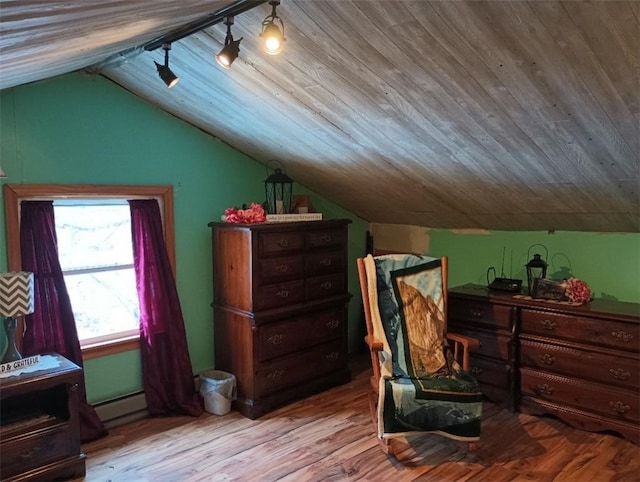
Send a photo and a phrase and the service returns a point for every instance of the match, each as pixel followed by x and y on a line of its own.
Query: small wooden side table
pixel 40 428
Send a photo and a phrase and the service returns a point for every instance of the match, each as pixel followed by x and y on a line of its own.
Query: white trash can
pixel 218 389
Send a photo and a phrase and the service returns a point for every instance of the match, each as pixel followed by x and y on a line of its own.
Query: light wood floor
pixel 329 437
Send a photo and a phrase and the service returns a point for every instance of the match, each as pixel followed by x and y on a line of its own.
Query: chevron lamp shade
pixel 16 293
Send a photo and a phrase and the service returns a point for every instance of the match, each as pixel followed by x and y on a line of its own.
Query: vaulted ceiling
pixel 513 115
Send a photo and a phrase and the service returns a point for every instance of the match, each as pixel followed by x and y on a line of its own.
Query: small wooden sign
pixel 19 364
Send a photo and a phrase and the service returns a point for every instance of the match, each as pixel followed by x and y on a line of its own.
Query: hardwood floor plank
pixel 330 437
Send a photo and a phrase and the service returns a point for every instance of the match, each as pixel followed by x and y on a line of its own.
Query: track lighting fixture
pixel 231 47
pixel 272 35
pixel 165 73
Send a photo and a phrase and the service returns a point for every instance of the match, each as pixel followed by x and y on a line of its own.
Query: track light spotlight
pixel 272 35
pixel 231 47
pixel 165 73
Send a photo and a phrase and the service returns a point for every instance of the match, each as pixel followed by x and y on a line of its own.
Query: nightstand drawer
pixel 287 371
pixel 607 401
pixel 592 330
pixel 280 242
pixel 281 338
pixel 599 367
pixel 35 449
pixel 470 313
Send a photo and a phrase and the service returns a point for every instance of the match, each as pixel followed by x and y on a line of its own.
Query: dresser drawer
pixel 280 242
pixel 474 313
pixel 324 262
pixel 287 371
pixel 279 294
pixel 585 330
pixel 492 344
pixel 593 397
pixel 283 337
pixel 36 449
pixel 328 237
pixel 490 372
pixel 271 270
pixel 599 367
pixel 322 286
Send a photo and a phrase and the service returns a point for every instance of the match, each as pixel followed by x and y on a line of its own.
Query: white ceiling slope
pixel 512 115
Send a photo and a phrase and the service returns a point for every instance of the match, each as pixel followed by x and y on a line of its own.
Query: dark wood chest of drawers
pixel 580 363
pixel 280 309
pixel 40 431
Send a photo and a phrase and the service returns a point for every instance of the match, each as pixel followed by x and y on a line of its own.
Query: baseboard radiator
pixel 122 410
pixel 126 409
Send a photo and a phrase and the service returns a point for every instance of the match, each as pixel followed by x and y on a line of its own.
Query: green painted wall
pixel 81 129
pixel 608 262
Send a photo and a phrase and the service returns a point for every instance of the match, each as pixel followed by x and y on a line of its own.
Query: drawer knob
pixel 326 285
pixel 619 407
pixel 276 339
pixel 27 455
pixel 545 389
pixel 333 356
pixel 325 262
pixel 476 371
pixel 548 324
pixel 326 238
pixel 621 335
pixel 282 268
pixel 619 373
pixel 547 359
pixel 283 243
pixel 333 324
pixel 275 374
pixel 282 294
pixel 476 313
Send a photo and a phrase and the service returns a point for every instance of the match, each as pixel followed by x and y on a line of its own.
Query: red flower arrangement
pixel 251 215
pixel 578 291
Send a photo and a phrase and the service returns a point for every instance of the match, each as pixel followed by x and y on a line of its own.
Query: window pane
pixel 104 303
pixel 93 235
pixel 96 256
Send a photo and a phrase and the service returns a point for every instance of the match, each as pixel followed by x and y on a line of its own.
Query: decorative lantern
pixel 536 269
pixel 278 191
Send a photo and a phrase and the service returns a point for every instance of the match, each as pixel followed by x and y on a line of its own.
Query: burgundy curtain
pixel 51 327
pixel 166 368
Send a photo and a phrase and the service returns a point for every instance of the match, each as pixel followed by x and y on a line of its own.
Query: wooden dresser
pixel 280 309
pixel 580 363
pixel 40 431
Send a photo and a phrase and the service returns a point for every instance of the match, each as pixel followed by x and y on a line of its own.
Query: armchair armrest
pixel 373 343
pixel 462 345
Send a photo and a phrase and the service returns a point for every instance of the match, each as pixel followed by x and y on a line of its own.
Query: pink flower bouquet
pixel 578 291
pixel 253 214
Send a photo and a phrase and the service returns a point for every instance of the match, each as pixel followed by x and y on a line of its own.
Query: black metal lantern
pixel 278 190
pixel 536 269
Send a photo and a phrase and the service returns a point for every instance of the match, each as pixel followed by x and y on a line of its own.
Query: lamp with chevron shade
pixel 16 299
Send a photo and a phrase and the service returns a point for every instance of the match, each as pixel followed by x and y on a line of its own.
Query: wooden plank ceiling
pixel 511 115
